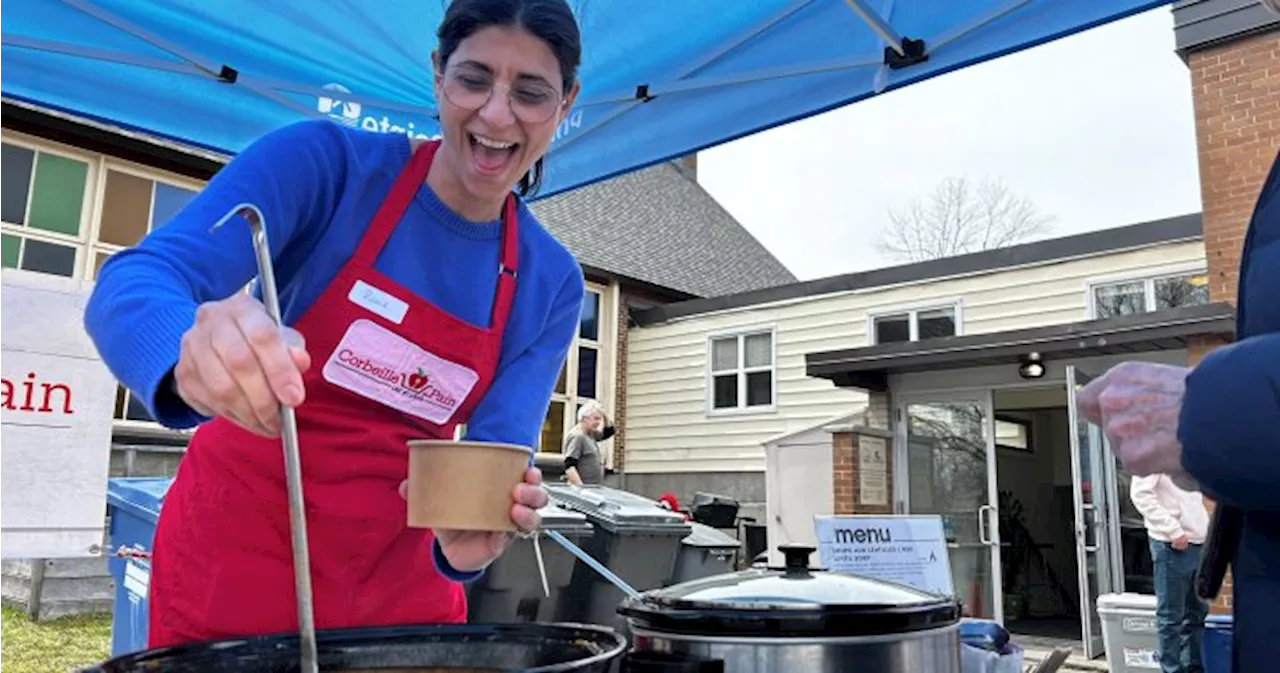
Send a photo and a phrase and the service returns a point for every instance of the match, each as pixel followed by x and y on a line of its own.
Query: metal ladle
pixel 292 462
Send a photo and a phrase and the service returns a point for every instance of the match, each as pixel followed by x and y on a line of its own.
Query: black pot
pixel 525 648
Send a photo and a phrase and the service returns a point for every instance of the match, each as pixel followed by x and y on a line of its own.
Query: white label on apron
pixel 384 304
pixel 379 364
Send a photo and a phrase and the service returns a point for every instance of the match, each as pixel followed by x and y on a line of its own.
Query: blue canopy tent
pixel 661 78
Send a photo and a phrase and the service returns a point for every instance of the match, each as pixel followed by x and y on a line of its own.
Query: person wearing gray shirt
pixel 583 461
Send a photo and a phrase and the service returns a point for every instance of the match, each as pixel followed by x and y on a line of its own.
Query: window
pixel 742 372
pixel 65 212
pixel 583 376
pixel 43 208
pixel 915 325
pixel 1158 293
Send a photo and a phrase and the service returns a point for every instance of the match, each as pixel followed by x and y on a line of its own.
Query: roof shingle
pixel 659 226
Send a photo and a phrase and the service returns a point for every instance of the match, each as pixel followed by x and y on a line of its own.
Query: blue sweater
pixel 1230 434
pixel 318 185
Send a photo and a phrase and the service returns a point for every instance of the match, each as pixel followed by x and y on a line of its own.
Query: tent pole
pixel 975 23
pixel 37 44
pixel 728 46
pixel 220 72
pixel 877 24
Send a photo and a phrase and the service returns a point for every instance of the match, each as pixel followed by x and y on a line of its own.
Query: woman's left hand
pixel 468 551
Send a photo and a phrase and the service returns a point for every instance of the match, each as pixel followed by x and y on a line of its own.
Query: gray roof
pixel 658 226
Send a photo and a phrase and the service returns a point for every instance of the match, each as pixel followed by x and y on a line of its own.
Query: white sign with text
pixel 56 402
pixel 873 471
pixel 906 549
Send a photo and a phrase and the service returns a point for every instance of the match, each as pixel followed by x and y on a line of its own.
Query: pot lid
pixel 792 600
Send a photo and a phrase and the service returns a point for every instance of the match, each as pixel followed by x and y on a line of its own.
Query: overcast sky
pixel 1097 130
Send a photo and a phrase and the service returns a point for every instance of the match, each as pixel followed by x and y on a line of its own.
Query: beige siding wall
pixel 668 424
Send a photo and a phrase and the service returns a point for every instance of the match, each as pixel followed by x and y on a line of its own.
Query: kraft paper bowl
pixel 464 485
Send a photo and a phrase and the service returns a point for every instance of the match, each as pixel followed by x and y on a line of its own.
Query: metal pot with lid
pixel 793 618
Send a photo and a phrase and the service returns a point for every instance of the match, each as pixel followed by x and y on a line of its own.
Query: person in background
pixel 1176 521
pixel 582 459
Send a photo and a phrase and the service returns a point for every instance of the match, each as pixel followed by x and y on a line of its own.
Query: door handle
pixel 1088 518
pixel 983 524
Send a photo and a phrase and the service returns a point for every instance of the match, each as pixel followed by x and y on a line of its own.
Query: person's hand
pixel 1180 542
pixel 469 551
pixel 1137 405
pixel 237 363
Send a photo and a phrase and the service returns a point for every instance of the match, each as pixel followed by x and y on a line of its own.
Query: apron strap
pixel 396 203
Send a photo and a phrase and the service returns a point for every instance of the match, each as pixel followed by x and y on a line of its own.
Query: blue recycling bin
pixel 134 506
pixel 1215 650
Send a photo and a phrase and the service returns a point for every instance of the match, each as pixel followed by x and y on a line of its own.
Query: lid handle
pixel 796 556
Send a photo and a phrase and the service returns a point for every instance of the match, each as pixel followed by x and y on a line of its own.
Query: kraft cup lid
pixel 444 443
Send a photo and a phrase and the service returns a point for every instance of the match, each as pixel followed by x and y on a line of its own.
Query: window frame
pixel 913 311
pixel 741 371
pixel 605 345
pixel 87 245
pixel 1148 280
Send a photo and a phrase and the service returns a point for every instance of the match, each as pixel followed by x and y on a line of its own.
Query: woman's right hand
pixel 236 362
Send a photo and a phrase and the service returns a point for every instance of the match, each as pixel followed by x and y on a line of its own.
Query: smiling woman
pixel 402 266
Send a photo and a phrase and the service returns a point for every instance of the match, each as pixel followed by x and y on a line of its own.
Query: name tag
pixel 380 365
pixel 369 297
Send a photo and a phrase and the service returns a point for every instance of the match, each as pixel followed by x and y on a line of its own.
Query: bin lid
pixel 558 518
pixel 794 599
pixel 614 509
pixel 141 495
pixel 706 536
pixel 1126 601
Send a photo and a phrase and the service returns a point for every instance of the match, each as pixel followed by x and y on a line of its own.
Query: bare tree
pixel 959 218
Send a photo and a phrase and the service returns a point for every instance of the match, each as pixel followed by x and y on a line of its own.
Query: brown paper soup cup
pixel 464 485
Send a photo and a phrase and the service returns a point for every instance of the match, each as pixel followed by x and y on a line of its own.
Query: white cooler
pixel 1129 632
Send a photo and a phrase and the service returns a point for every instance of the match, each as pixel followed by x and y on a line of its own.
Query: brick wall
pixel 1236 93
pixel 620 387
pixel 846 481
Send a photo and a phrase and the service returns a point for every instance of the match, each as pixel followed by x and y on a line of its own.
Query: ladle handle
pixel 292 461
pixel 594 564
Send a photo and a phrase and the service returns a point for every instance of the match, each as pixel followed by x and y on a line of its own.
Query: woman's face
pixel 500 97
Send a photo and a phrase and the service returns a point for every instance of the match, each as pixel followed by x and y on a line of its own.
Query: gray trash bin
pixel 510 590
pixel 704 552
pixel 632 536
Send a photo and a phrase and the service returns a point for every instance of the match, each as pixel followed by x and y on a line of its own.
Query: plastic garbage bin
pixel 717 511
pixel 705 551
pixel 510 590
pixel 1216 649
pixel 134 505
pixel 632 536
pixel 1129 632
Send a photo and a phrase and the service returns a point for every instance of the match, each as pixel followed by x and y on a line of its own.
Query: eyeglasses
pixel 471 88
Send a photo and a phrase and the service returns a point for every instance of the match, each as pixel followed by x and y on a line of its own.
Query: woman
pixel 390 256
pixel 583 461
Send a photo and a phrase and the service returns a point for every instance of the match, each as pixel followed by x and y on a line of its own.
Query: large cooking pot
pixel 445 648
pixel 794 618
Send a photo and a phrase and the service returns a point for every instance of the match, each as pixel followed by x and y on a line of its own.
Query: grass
pixel 55 646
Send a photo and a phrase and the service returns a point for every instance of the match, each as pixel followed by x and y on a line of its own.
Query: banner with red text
pixel 55 421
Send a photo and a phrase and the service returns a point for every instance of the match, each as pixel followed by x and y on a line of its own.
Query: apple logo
pixel 418 380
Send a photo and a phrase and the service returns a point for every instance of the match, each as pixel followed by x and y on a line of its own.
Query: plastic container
pixel 632 536
pixel 464 485
pixel 1216 650
pixel 705 552
pixel 510 590
pixel 1129 632
pixel 134 506
pixel 717 511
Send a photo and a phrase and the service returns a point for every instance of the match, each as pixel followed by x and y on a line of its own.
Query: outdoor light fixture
pixel 1032 367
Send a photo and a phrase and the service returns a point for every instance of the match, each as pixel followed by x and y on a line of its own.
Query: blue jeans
pixel 1179 612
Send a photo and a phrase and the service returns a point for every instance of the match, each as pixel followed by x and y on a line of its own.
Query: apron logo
pixel 380 365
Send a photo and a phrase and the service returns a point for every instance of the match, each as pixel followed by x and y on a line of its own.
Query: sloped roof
pixel 657 225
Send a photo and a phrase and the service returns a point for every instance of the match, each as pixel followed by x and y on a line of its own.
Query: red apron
pixel 387 366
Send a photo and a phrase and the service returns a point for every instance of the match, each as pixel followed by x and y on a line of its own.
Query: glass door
pixel 950 458
pixel 1097 520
